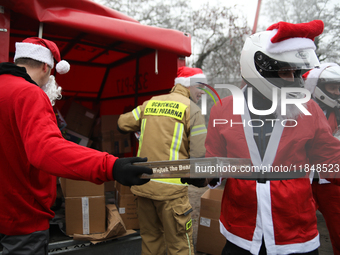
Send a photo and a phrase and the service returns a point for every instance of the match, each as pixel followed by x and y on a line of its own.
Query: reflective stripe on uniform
pixel 136 113
pixel 176 141
pixel 141 136
pixel 176 181
pixel 198 130
pixel 174 152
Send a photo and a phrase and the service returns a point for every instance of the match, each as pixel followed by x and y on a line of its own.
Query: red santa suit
pixel 281 212
pixel 327 199
pixel 33 152
pixel 326 195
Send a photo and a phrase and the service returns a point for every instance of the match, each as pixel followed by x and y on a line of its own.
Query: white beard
pixel 52 90
pixel 292 111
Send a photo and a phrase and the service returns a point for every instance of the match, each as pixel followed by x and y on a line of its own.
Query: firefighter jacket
pixel 172 127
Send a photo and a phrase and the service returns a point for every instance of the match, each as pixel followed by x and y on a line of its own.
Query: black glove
pixel 127 174
pixel 198 182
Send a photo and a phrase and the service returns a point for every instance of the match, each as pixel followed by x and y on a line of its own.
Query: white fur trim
pixel 185 81
pixel 33 51
pixel 62 67
pixel 313 76
pixel 296 43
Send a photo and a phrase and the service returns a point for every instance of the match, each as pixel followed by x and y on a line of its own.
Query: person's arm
pixel 48 151
pixel 131 121
pixel 197 136
pixel 214 142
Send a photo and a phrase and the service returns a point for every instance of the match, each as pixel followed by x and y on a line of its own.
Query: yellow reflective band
pixel 189 245
pixel 188 224
pixel 136 113
pixel 198 130
pixel 141 136
pixel 171 181
pixel 176 141
pixel 171 109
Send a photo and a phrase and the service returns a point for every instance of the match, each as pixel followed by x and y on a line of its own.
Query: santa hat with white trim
pixel 288 36
pixel 41 50
pixel 189 76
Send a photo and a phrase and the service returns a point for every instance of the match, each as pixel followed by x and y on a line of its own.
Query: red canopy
pixel 107 50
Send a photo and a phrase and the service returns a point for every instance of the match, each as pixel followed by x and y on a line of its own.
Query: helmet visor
pixel 291 60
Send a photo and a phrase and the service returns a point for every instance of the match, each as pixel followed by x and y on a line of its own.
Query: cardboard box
pixel 85 215
pixel 115 227
pixel 123 189
pixel 73 188
pixel 209 228
pixel 110 186
pixel 80 119
pixel 76 138
pixel 209 238
pixel 127 208
pixel 113 141
pixel 211 204
pixel 84 207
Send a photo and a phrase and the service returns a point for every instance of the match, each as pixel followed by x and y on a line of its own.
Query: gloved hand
pixel 198 182
pixel 127 174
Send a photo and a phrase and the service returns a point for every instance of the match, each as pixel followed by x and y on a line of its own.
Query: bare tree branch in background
pixel 219 35
pixel 298 11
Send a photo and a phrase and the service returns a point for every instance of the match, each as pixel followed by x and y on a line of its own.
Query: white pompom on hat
pixel 41 50
pixel 288 36
pixel 185 74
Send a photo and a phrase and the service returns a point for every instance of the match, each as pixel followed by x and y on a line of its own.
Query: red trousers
pixel 327 198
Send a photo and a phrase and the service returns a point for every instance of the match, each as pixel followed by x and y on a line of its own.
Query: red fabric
pixel 185 71
pixel 105 23
pixel 332 122
pixel 288 30
pixel 291 202
pixel 327 198
pixel 305 75
pixel 32 151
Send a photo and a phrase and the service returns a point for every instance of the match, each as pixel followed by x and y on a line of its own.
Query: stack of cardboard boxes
pixel 79 121
pixel 209 238
pixel 84 207
pixel 85 201
pixel 113 141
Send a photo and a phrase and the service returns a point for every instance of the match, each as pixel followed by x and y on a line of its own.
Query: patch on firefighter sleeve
pixel 188 225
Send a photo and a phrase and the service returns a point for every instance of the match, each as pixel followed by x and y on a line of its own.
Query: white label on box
pixel 89 114
pixel 86 218
pixel 205 222
pixel 122 210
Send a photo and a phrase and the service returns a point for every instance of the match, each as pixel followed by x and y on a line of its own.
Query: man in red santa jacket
pixel 268 215
pixel 324 85
pixel 33 151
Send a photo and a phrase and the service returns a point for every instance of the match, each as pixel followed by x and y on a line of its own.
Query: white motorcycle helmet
pixel 261 61
pixel 316 79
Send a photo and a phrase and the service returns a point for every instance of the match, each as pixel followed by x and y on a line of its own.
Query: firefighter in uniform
pixel 324 85
pixel 172 128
